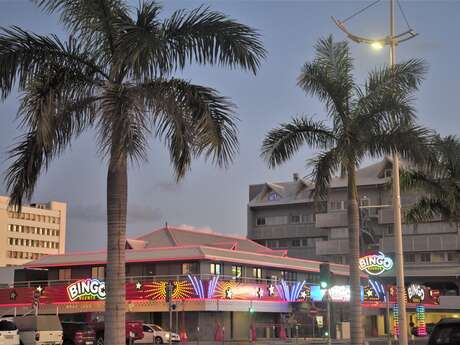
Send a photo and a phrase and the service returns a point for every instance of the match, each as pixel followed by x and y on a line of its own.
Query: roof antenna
pixel 166 225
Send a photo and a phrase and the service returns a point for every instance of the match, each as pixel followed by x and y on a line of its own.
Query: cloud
pixel 94 213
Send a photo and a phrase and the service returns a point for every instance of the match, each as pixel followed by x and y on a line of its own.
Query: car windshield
pixel 446 335
pixel 6 325
pixel 157 328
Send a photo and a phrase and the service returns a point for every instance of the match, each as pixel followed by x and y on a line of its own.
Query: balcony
pixel 332 247
pixel 263 232
pixel 413 243
pixel 334 219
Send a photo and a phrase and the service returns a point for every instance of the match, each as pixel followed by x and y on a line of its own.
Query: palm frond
pixel 24 55
pixel 94 21
pixel 329 75
pixel 194 118
pixel 325 164
pixel 401 78
pixel 410 141
pixel 154 48
pixel 281 143
pixel 426 209
pixel 123 125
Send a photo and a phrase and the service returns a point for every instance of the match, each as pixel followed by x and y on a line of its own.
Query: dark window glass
pixel 7 326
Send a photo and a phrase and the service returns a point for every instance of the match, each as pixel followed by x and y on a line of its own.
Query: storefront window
pixel 189 268
pixel 216 269
pixel 237 272
pixel 98 272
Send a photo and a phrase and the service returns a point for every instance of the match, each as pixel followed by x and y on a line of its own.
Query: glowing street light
pixel 377 45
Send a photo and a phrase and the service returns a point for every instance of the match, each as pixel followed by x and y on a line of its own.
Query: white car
pixel 154 334
pixel 39 330
pixel 8 333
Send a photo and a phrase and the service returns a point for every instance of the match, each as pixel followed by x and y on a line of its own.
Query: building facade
pixel 218 281
pixel 284 216
pixel 37 230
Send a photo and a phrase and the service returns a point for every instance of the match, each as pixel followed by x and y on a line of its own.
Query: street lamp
pixel 391 40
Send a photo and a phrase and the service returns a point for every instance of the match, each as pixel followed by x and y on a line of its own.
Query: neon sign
pixel 415 293
pixel 375 264
pixel 86 290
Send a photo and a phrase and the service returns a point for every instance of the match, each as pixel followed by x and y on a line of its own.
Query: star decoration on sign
pixel 13 295
pixel 138 285
pixel 303 295
pixel 370 293
pixel 229 293
pixel 260 293
pixel 39 289
pixel 271 290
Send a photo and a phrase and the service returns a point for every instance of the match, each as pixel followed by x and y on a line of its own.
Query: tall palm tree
pixel 115 73
pixel 366 121
pixel 439 181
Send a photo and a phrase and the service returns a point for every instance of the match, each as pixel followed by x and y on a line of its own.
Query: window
pixel 65 274
pixel 272 196
pixel 296 242
pixel 437 257
pixel 409 257
pixel 260 221
pixel 337 205
pixel 98 272
pixel 237 272
pixel 216 269
pixel 288 275
pixel 308 218
pixel 257 272
pixel 189 268
pixel 452 256
pixel 272 243
pixel 295 219
pixel 425 257
pixel 283 243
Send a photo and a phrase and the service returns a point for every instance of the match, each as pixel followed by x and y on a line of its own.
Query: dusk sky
pixel 215 198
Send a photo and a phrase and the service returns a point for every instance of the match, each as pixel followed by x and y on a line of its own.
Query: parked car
pixel 39 330
pixel 446 332
pixel 430 327
pixel 156 334
pixel 78 333
pixel 9 334
pixel 133 330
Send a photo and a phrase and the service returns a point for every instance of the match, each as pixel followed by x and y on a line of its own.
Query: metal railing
pixel 147 279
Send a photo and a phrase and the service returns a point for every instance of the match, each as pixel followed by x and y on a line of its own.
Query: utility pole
pixel 391 40
pixel 399 258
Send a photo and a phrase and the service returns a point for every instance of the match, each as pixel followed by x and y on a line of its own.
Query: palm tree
pixel 115 73
pixel 439 181
pixel 366 121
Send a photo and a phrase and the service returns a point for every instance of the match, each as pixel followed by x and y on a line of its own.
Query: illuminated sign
pixel 374 292
pixel 337 293
pixel 420 315
pixel 375 264
pixel 415 293
pixel 395 320
pixel 86 290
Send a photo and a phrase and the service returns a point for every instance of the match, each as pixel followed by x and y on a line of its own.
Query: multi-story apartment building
pixel 37 230
pixel 284 216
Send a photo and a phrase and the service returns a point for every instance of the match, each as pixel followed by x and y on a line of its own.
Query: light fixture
pixel 377 45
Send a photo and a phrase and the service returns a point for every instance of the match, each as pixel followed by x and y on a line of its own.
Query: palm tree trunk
pixel 356 327
pixel 117 190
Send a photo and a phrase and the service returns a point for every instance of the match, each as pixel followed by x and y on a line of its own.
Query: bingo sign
pixel 86 290
pixel 375 264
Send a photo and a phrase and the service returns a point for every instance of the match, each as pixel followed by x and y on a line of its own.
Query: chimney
pixel 295 177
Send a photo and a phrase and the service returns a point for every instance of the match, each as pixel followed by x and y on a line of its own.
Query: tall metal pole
pixel 397 209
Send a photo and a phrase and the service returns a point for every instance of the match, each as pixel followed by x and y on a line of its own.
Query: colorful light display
pixel 375 264
pixel 395 320
pixel 420 316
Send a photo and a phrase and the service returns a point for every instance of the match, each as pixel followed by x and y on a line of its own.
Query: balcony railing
pixel 332 219
pixel 145 279
pixel 332 247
